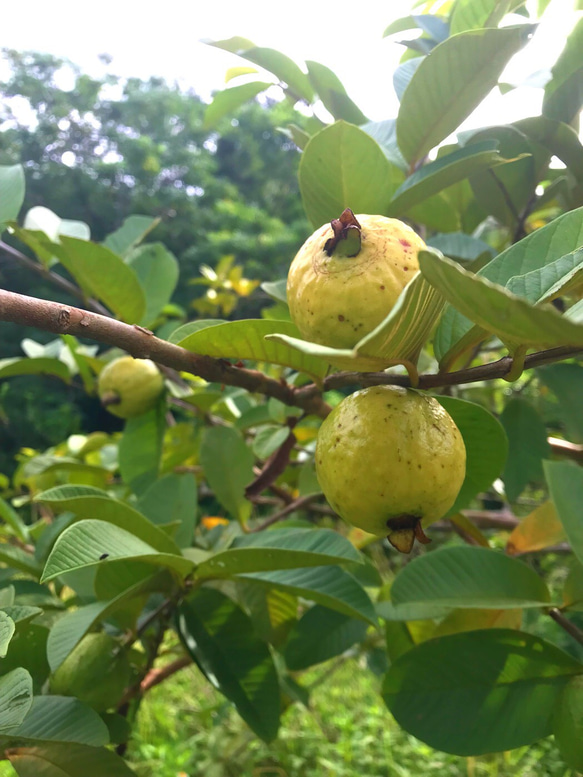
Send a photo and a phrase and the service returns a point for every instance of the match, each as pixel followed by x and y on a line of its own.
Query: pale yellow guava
pixel 390 461
pixel 96 672
pixel 129 387
pixel 336 299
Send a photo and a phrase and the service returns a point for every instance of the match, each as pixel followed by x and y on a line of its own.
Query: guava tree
pixel 204 517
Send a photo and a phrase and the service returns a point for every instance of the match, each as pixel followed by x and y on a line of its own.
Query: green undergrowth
pixel 185 729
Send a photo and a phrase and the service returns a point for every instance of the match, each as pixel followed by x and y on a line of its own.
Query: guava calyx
pixel 347 235
pixel 404 530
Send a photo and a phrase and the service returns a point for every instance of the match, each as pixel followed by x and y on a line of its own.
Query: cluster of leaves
pixel 204 515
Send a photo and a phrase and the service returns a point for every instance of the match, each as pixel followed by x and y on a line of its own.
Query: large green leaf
pixel 451 81
pixel 385 134
pixel 280 549
pixel 62 719
pixel 473 14
pixel 497 310
pixel 12 186
pixel 102 274
pixel 399 337
pixel 91 542
pixel 343 167
pixel 528 446
pixel 319 635
pixel 15 698
pixel 469 577
pixel 330 586
pixel 14 556
pixel 68 760
pixel 568 723
pixel 458 245
pixel 277 63
pixel 228 468
pixel 89 502
pixel 558 138
pixel 10 517
pixel 157 271
pixel 565 480
pixel 6 632
pixel 41 365
pixel 140 449
pixel 486 447
pixel 479 691
pixel 333 94
pixel 543 247
pixel 564 92
pixel 220 638
pixel 246 340
pixel 173 498
pixel 445 171
pixel 226 102
pixel 555 278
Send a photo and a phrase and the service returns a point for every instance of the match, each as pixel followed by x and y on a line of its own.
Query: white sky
pixel 163 39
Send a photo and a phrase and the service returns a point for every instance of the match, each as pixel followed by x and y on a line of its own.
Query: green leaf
pixel 21 613
pixel 228 100
pixel 246 340
pixel 276 289
pixel 451 81
pixel 564 92
pixel 565 481
pixel 279 549
pixel 140 449
pixel 15 698
pixel 12 519
pixel 399 337
pixel 157 271
pixel 86 543
pixel 228 468
pixel 68 760
pixel 16 557
pixel 102 274
pixel 573 589
pixel 389 611
pixel 330 586
pixel 12 187
pixel 474 14
pixel 320 635
pixel 528 446
pixel 220 638
pixel 496 310
pixel 558 138
pixel 89 502
pixel 566 383
pixel 333 94
pixel 458 245
pixel 542 247
pixel 478 692
pixel 268 439
pixel 469 577
pixel 343 167
pixel 445 171
pixel 568 723
pixel 182 332
pixel 7 629
pixel 385 134
pixel 402 77
pixel 62 719
pixel 38 366
pixel 551 280
pixel 133 230
pixel 486 447
pixel 173 498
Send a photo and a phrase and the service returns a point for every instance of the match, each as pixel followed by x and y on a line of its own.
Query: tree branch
pixel 566 624
pixel 139 342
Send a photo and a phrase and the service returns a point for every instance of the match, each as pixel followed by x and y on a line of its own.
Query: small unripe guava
pixel 345 280
pixel 95 672
pixel 390 461
pixel 129 387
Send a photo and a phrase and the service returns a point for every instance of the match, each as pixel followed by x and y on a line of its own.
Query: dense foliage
pixel 198 534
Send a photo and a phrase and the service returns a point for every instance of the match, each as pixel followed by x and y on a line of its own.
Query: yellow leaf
pixel 538 530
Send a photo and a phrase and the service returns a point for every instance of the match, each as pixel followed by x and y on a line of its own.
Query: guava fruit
pixel 96 672
pixel 390 461
pixel 347 276
pixel 129 387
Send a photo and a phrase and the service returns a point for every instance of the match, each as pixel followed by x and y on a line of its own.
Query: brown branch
pixel 274 466
pixel 137 341
pixel 297 504
pixel 566 624
pixel 565 448
pixel 157 676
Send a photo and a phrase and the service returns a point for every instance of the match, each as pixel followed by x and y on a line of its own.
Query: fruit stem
pixel 347 236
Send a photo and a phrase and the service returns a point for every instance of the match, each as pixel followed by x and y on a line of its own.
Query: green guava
pixel 390 461
pixel 129 387
pixel 346 278
pixel 96 672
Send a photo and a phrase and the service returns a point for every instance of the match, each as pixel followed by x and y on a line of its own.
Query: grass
pixel 185 729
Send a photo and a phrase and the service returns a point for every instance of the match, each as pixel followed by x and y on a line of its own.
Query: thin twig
pixel 566 624
pixel 157 676
pixel 297 504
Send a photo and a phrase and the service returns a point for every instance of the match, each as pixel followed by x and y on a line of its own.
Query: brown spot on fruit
pixel 340 317
pixel 405 243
